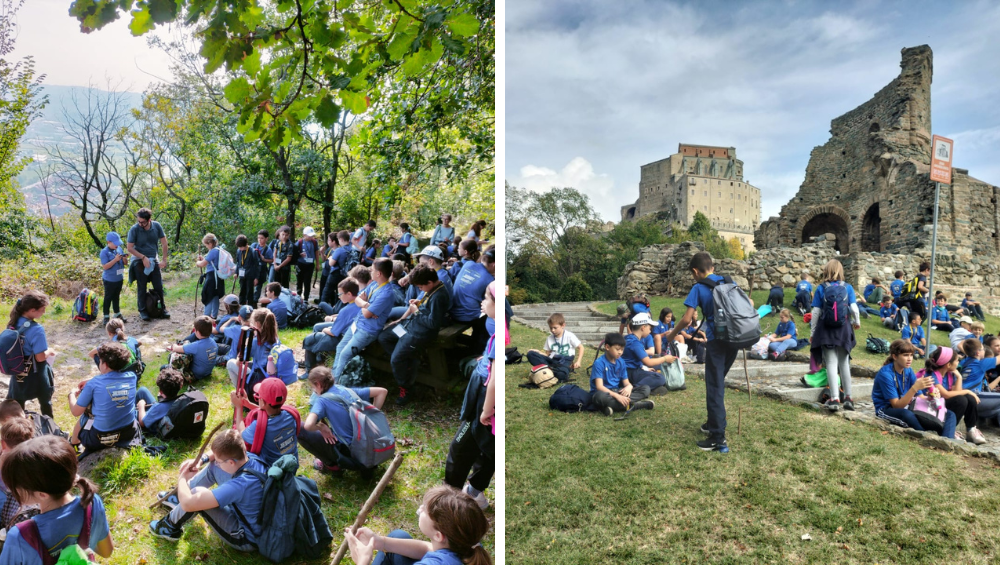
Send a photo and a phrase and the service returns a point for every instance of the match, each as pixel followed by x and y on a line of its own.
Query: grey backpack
pixel 372 441
pixel 736 320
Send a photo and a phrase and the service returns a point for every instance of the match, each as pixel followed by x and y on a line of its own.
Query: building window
pixel 720 195
pixel 706 192
pixel 692 192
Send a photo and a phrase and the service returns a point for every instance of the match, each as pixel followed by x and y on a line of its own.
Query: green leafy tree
pixel 575 289
pixel 700 227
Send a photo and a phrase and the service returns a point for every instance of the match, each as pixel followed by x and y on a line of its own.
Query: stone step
pixel 575 316
pixel 757 369
pixel 551 307
pixel 860 390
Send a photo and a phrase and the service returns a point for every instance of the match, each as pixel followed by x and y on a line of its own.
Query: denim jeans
pixel 212 308
pixel 780 347
pixel 906 419
pixel 144 394
pixel 222 520
pixel 384 558
pixel 351 345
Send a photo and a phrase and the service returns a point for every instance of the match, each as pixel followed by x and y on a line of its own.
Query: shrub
pixel 125 473
pixel 575 289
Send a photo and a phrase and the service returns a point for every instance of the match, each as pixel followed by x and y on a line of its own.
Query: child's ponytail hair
pixel 938 359
pixel 116 327
pixel 44 464
pixel 31 300
pixel 458 517
pixel 899 347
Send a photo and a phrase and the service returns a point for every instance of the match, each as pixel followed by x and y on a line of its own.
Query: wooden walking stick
pixel 363 515
pixel 201 452
pixel 746 371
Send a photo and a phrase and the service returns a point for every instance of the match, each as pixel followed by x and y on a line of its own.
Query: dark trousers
pixel 473 445
pixel 304 280
pixel 247 290
pixel 601 399
pixel 696 349
pixel 559 364
pixel 404 355
pixel 39 384
pixel 329 290
pixel 917 306
pixel 112 294
pixel 142 279
pixel 976 311
pixel 641 377
pixel 283 276
pixel 480 337
pixel 719 357
pixel 331 454
pixel 258 288
pixel 964 406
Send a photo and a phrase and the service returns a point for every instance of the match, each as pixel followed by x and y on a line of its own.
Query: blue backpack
pixel 13 361
pixel 836 309
pixel 570 398
pixel 284 363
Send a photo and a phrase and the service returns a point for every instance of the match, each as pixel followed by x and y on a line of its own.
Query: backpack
pixel 227 266
pixel 570 398
pixel 308 318
pixel 290 517
pixel 759 349
pixel 45 425
pixel 542 376
pixel 136 365
pixel 285 364
pixel 737 323
pixel 293 302
pixel 261 429
pixel 910 290
pixel 85 306
pixel 350 261
pixel 414 247
pixel 877 345
pixel 185 418
pixel 512 356
pixel 357 373
pixel 372 442
pixel 76 554
pixel 835 306
pixel 13 361
pixel 154 304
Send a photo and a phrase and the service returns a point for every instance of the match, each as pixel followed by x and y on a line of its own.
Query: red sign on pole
pixel 942 150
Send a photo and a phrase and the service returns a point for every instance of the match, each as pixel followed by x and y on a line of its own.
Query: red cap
pixel 272 391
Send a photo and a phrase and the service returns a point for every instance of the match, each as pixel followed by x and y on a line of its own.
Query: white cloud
pixel 579 174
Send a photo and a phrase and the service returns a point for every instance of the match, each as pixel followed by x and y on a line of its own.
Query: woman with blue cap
pixel 114 261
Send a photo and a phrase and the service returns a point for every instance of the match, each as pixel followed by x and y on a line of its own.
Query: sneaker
pixel 607 411
pixel 303 376
pixel 166 315
pixel 404 397
pixel 479 498
pixel 704 428
pixel 848 403
pixel 783 356
pixel 171 502
pixel 324 468
pixel 959 436
pixel 976 436
pixel 164 529
pixel 659 391
pixel 118 315
pixel 144 317
pixel 643 405
pixel 832 405
pixel 713 445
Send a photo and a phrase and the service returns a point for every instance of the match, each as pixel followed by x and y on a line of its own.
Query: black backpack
pixel 45 425
pixel 570 398
pixel 877 345
pixel 351 261
pixel 154 304
pixel 512 356
pixel 308 318
pixel 186 417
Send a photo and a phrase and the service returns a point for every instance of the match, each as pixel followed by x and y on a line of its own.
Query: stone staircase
pixel 587 324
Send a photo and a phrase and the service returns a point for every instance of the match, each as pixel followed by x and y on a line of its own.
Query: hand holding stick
pixel 363 515
pixel 197 459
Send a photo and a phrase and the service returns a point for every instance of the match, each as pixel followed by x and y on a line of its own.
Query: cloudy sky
pixel 71 58
pixel 595 89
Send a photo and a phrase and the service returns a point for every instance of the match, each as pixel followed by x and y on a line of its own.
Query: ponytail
pixel 479 556
pixel 31 300
pixel 116 327
pixel 87 490
pixel 458 517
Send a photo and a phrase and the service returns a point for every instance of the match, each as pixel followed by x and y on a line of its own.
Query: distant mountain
pixel 48 131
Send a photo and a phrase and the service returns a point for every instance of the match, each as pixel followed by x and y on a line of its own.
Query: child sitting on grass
pixel 783 338
pixel 978 329
pixel 666 323
pixel 197 359
pixel 887 313
pixel 610 388
pixel 975 365
pixel 803 294
pixel 327 431
pixel 940 318
pixel 695 339
pixel 272 300
pixel 272 437
pixel 914 333
pixel 42 471
pixel 447 517
pixel 973 307
pixel 562 351
pixel 13 433
pixel 895 387
pixel 116 331
pixel 643 369
pixel 170 382
pixel 231 507
pixel 961 333
pixel 110 396
pixel 266 337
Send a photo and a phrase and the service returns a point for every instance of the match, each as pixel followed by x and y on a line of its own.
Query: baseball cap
pixel 272 391
pixel 432 251
pixel 309 232
pixel 113 237
pixel 642 319
pixel 246 311
pixel 965 320
pixel 968 294
pixel 231 299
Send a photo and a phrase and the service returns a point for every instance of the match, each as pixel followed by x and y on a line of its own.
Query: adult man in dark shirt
pixel 142 240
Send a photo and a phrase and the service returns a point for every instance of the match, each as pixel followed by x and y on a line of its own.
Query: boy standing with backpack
pixel 305 250
pixel 265 259
pixel 719 355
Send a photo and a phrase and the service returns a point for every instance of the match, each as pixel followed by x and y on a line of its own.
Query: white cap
pixel 641 319
pixel 309 232
pixel 965 320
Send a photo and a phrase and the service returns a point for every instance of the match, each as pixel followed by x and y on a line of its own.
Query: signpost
pixel 942 151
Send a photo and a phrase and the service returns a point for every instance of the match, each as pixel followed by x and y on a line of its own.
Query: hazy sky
pixel 71 58
pixel 595 89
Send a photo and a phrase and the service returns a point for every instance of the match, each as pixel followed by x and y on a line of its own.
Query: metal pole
pixel 930 281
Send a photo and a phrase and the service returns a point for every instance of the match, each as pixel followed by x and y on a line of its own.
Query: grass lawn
pixel 583 488
pixel 859 356
pixel 424 431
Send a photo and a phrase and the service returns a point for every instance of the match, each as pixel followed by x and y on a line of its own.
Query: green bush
pixel 52 274
pixel 119 475
pixel 575 289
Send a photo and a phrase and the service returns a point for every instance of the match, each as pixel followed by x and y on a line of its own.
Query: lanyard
pixel 895 378
pixel 427 295
pixel 242 256
pixel 371 295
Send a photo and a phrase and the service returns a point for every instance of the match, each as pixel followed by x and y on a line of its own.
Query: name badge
pixel 354 327
pixel 120 272
pixel 400 331
pixel 243 273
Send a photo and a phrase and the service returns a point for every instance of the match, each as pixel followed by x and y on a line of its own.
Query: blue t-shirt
pixel 279 439
pixel 386 249
pixel 804 285
pixel 639 307
pixel 611 374
pixel 868 291
pixel 974 372
pixel 701 296
pixel 213 260
pixel 889 385
pixel 344 319
pixel 335 413
pixel 155 413
pixel 896 288
pixel 111 397
pixel 232 333
pixel 440 557
pixel 648 342
pixel 483 365
pixel 203 353
pixel 58 528
pixel 262 253
pixel 818 297
pixel 662 328
pixel 913 336
pixel 340 258
pixel 940 314
pixel 888 312
pixel 280 311
pixel 786 328
pixel 635 352
pixel 34 338
pixel 310 248
pixel 117 272
pixel 405 239
pixel 245 492
pixel 445 278
pixel 470 288
pixel 380 302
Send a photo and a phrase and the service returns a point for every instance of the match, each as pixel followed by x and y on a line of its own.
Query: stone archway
pixel 871 229
pixel 827 219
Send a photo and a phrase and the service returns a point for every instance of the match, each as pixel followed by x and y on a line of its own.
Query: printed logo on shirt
pixel 119 394
pixel 285 441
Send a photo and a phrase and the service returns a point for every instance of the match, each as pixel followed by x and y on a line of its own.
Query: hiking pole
pixel 201 453
pixel 363 515
pixel 746 371
pixel 242 352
